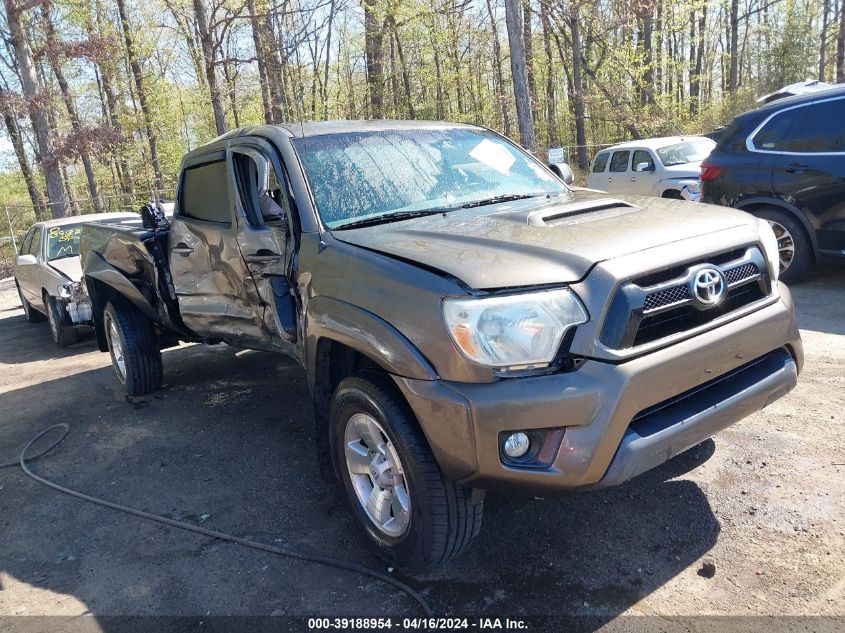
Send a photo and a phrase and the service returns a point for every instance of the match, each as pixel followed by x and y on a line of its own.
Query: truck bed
pixel 140 255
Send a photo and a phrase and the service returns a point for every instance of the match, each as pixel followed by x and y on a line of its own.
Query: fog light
pixel 516 445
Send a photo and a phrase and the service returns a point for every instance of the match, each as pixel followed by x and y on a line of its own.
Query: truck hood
pixel 529 243
pixel 70 267
pixel 687 170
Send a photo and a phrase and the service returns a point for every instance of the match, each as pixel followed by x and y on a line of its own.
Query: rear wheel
pixel 32 315
pixel 415 518
pixel 133 347
pixel 794 249
pixel 61 326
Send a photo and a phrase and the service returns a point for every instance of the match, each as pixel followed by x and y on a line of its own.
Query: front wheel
pixel 415 518
pixel 61 327
pixel 133 347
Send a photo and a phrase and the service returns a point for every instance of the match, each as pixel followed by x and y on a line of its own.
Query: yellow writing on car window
pixel 65 250
pixel 70 235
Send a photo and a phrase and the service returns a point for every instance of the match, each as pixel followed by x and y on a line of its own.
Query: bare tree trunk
pixel 20 153
pixel 332 10
pixel 114 106
pixel 551 106
pixel 38 116
pixel 513 20
pixel 646 34
pixel 406 78
pixel 823 39
pixel 208 52
pixel 840 46
pixel 76 124
pixel 373 43
pixel 138 76
pixel 733 81
pixel 528 40
pixel 276 62
pixel 578 89
pixel 260 47
pixel 500 75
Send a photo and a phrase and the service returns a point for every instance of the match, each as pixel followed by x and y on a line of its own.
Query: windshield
pixel 686 152
pixel 356 176
pixel 63 241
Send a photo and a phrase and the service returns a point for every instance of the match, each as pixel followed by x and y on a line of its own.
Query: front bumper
pixel 620 419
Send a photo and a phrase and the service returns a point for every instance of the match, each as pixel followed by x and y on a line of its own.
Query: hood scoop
pixel 579 212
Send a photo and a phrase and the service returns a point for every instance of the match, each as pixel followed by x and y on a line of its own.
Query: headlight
pixel 770 247
pixel 521 330
pixel 67 291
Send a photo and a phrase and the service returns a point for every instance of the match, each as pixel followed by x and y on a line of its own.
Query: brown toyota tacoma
pixel 466 319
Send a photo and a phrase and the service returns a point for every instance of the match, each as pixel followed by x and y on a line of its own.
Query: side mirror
pixel 26 260
pixel 563 171
pixel 644 167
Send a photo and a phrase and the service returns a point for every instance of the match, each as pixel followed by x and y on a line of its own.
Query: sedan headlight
pixel 519 330
pixel 770 247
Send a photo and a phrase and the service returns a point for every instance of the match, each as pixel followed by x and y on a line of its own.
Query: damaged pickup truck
pixel 466 320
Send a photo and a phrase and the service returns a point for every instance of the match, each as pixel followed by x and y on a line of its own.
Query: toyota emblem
pixel 708 287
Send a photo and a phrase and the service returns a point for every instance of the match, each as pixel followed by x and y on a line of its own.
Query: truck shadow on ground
pixel 228 443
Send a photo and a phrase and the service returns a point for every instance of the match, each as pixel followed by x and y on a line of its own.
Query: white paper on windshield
pixel 493 155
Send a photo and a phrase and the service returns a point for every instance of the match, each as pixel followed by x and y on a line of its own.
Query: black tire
pixel 672 194
pixel 142 370
pixel 32 315
pixel 445 517
pixel 803 259
pixel 61 327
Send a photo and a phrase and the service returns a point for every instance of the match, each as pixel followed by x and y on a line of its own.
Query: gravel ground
pixel 749 523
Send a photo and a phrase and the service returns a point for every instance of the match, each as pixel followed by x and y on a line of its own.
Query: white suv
pixel 666 167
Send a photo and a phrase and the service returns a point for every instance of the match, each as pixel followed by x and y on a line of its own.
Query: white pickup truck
pixel 666 167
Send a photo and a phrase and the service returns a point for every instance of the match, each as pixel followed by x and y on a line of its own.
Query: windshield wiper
pixel 389 217
pixel 508 197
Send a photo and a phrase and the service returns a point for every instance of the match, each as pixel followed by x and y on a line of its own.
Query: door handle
pixel 796 168
pixel 266 257
pixel 632 179
pixel 182 249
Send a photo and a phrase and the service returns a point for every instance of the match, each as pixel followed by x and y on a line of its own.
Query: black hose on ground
pixel 309 558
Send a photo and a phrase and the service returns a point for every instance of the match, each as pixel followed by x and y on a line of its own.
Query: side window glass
pixel 600 163
pixel 259 190
pixel 205 193
pixel 27 242
pixel 619 162
pixel 642 156
pixel 774 135
pixel 36 242
pixel 821 128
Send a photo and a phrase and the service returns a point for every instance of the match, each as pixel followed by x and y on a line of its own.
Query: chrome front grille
pixel 666 297
pixel 664 304
pixel 680 293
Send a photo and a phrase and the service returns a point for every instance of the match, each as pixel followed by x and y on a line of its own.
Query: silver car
pixel 48 274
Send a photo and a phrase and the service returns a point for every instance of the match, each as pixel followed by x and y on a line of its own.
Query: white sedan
pixel 48 274
pixel 666 167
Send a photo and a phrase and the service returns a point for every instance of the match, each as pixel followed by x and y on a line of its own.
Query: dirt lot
pixel 226 443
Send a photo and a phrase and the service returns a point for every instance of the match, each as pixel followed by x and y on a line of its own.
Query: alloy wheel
pixel 117 350
pixel 786 245
pixel 377 475
pixel 51 318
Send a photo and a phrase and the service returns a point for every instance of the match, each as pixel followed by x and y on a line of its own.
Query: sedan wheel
pixel 786 245
pixel 377 475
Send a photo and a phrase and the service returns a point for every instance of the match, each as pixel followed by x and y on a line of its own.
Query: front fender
pixel 364 332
